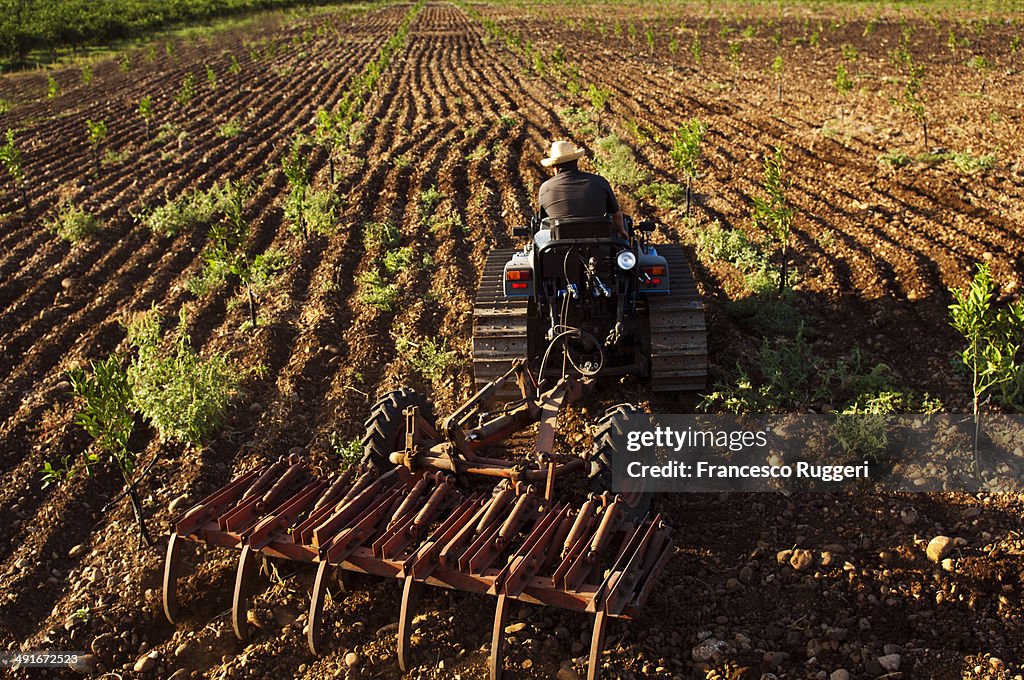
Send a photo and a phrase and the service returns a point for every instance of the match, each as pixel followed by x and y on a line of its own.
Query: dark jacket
pixel 572 193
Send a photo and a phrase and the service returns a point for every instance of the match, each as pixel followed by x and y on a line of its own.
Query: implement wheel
pixel 605 451
pixel 385 428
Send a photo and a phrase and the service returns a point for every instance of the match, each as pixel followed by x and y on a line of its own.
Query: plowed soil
pixel 877 250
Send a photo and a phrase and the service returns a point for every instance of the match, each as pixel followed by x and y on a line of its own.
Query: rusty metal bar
pixel 417 526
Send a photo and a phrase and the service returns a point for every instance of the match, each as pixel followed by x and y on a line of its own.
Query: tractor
pixel 551 318
pixel 576 299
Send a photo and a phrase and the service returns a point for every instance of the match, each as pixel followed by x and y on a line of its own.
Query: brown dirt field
pixel 876 249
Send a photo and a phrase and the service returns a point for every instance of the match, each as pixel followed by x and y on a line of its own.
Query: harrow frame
pixel 412 523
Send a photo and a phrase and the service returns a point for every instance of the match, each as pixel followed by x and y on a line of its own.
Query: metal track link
pixel 679 341
pixel 499 324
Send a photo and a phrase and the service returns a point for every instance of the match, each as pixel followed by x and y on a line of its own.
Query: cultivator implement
pixel 417 527
pixel 409 521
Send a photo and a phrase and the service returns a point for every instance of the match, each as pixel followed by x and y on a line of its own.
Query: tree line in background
pixel 28 25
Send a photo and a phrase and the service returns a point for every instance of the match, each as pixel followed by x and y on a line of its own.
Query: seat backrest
pixel 581 227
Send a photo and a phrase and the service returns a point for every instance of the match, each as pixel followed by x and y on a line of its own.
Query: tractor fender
pixel 518 277
pixel 654 273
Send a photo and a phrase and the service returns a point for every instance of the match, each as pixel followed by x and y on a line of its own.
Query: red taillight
pixel 517 286
pixel 519 275
pixel 654 282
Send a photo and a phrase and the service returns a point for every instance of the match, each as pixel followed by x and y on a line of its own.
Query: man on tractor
pixel 574 193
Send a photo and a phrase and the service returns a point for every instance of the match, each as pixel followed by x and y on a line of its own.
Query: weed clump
pixel 183 395
pixel 183 213
pixel 73 223
pixel 616 161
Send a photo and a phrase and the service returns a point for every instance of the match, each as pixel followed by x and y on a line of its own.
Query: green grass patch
pixel 963 161
pixel 766 316
pixel 73 223
pixel 311 211
pixel 665 195
pixel 230 129
pixel 376 291
pixel 616 161
pixel 398 260
pixel 183 213
pixel 380 235
pixel 431 359
pixel 184 395
pixel 349 451
pixel 39 32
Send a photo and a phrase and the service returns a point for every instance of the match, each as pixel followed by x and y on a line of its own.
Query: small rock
pixel 332 349
pixel 23 563
pixel 947 564
pixel 908 517
pixel 77 551
pixel 826 559
pixel 775 658
pixel 101 642
pixel 146 663
pixel 182 649
pixel 567 673
pixel 514 628
pixel 178 503
pixel 389 628
pixel 801 559
pixel 708 650
pixel 67 283
pixel 527 664
pixel 938 548
pixel 180 674
pixel 732 585
pixel 746 574
pixel 841 674
pixel 84 664
pixel 890 663
pixel 351 659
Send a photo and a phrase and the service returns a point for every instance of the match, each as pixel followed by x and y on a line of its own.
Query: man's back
pixel 572 193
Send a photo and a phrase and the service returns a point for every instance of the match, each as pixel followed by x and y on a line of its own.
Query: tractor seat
pixel 581 227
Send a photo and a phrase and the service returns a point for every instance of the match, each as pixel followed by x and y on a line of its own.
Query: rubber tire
pixel 605 451
pixel 385 428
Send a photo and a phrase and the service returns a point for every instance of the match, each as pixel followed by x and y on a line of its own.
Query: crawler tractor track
pixel 679 341
pixel 499 324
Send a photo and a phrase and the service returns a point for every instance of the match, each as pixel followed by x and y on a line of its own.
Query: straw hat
pixel 561 152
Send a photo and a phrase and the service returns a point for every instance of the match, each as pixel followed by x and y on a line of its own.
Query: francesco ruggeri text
pixel 704 470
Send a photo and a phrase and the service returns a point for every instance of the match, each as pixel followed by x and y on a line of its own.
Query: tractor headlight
pixel 626 260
